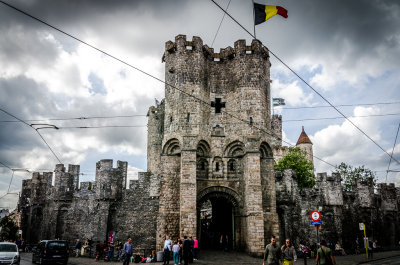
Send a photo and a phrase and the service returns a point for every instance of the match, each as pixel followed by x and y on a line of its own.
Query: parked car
pixel 51 252
pixel 9 253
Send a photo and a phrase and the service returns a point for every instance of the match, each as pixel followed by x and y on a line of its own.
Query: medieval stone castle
pixel 212 145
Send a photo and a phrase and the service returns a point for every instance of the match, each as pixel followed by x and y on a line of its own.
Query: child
pixel 175 250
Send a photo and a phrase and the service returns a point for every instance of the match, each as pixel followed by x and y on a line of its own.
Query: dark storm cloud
pixel 356 35
pixel 26 99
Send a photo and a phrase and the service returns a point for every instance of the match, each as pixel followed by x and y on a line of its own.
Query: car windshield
pixel 57 245
pixel 8 248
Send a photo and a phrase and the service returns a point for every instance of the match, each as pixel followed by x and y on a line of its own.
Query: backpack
pixel 328 259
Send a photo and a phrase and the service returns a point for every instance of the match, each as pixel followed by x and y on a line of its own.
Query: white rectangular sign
pixel 361 226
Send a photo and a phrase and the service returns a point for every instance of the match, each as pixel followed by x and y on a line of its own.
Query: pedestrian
pixel 191 249
pixel 98 251
pixel 304 250
pixel 324 255
pixel 78 246
pixel 105 247
pixel 339 249
pixel 272 254
pixel 288 253
pixel 370 249
pixel 180 250
pixel 175 250
pixel 167 250
pixel 357 250
pixel 85 247
pixel 118 248
pixel 195 248
pixel 127 251
pixel 110 255
pixel 186 250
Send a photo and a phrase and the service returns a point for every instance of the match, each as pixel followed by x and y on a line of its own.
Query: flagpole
pixel 254 19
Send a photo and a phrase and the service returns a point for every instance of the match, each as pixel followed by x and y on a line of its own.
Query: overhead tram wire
pixel 150 75
pixel 296 120
pixel 102 126
pixel 37 131
pixel 4 165
pixel 83 118
pixel 144 115
pixel 223 16
pixel 158 79
pixel 394 145
pixel 342 105
pixel 351 117
pixel 306 83
pixel 223 123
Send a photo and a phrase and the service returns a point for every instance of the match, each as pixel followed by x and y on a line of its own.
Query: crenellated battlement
pixel 240 49
pixel 323 177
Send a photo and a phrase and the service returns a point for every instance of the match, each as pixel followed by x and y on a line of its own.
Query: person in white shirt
pixel 167 250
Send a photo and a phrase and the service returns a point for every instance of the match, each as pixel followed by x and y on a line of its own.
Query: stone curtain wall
pixel 89 212
pixel 197 152
pixel 341 211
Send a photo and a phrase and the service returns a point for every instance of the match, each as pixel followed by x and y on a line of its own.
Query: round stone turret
pixel 305 144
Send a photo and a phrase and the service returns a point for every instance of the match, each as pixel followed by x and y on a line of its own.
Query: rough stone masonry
pixel 212 144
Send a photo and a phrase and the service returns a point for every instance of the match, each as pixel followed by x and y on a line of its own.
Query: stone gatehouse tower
pixel 210 142
pixel 211 149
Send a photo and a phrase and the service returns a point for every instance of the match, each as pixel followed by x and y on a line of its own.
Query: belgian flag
pixel 263 13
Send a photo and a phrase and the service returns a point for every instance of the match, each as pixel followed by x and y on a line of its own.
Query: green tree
pixel 350 175
pixel 8 229
pixel 296 160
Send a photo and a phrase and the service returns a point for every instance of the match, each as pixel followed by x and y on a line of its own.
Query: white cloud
pixel 291 92
pixel 345 143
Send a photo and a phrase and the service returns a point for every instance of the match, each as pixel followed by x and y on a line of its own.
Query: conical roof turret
pixel 303 139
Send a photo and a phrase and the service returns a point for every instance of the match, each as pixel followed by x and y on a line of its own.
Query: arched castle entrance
pixel 218 218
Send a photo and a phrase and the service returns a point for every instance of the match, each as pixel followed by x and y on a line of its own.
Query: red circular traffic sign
pixel 315 216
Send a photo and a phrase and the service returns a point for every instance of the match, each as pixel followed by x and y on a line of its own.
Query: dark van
pixel 51 252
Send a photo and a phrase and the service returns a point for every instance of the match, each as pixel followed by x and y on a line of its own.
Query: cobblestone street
pixel 238 258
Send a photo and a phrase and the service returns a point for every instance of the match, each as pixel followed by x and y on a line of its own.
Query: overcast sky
pixel 349 51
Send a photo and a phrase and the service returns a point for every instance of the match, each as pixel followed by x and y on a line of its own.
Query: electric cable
pixel 342 105
pixel 310 119
pixel 36 129
pixel 306 83
pixel 394 145
pixel 178 89
pixel 223 16
pixel 351 117
pixel 4 165
pixel 83 118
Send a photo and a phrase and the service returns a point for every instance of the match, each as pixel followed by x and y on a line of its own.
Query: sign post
pixel 316 221
pixel 362 227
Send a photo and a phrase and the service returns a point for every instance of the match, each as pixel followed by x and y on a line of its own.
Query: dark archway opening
pixel 217 224
pixel 60 227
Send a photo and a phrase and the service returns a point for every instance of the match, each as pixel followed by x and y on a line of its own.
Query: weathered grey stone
pixel 219 154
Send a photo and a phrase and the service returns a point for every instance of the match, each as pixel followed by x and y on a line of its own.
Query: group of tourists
pixel 183 250
pixel 127 255
pixel 276 255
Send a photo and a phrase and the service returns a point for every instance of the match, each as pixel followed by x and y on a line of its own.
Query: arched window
pixel 202 158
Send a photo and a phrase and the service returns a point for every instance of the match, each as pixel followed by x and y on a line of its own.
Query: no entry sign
pixel 315 216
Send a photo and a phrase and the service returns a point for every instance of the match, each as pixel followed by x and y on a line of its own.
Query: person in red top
pixel 195 248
